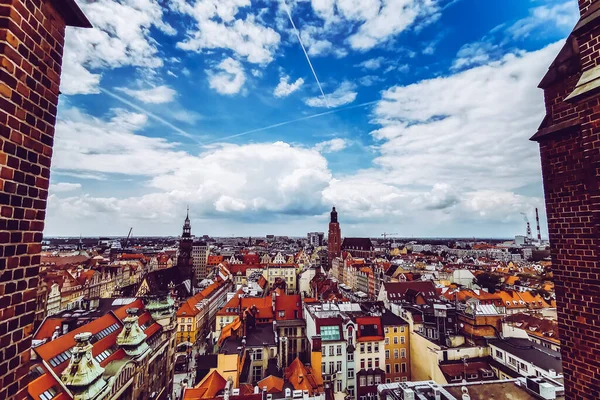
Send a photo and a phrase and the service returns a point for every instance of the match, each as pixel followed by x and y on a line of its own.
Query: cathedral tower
pixel 184 259
pixel 334 237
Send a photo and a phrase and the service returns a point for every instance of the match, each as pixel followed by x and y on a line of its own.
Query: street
pixel 189 374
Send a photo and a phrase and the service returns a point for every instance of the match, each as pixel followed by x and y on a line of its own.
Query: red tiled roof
pixel 291 305
pixel 272 383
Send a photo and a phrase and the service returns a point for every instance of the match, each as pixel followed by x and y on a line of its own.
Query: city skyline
pixel 160 116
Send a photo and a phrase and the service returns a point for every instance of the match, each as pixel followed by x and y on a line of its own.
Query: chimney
pixel 56 333
pixel 537 221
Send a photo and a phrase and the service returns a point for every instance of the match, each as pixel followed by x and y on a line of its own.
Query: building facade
pixel 200 253
pixel 185 263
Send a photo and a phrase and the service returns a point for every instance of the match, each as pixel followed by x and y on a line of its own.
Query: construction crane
pixel 127 239
pixel 385 235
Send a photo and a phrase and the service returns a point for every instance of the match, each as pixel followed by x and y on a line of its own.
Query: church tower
pixel 334 237
pixel 184 260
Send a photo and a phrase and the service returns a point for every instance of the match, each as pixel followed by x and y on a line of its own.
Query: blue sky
pixel 421 127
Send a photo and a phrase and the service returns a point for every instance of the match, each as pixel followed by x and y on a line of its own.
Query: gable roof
pixel 273 384
pixel 402 291
pixel 363 244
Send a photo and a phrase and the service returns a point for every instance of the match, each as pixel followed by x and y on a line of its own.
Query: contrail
pixel 292 121
pixel 150 115
pixel 287 10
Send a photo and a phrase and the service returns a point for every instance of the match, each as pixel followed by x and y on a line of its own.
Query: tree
pixel 488 281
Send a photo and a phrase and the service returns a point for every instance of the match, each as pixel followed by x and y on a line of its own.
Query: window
pixel 404 379
pixel 189 328
pixel 338 366
pixel 257 372
pixel 257 355
pixel 377 379
pixel 369 348
pixel 402 353
pixel 395 339
pixel 499 354
pixel 386 330
pixel 339 385
pixel 362 347
pixel 331 350
pixel 370 380
pixel 331 367
pixel 387 340
pixel 281 314
pixel 323 368
pixel 387 354
pixel 377 362
pixel 323 350
pixel 473 376
pixel 402 328
pixel 396 368
pixel 351 390
pixel 402 339
pixel 370 363
pixel 363 381
pixel 396 354
pixel 182 328
pixel 49 394
pixel 350 373
pixel 362 364
pixel 512 361
pixel 388 380
pixel 403 369
pixel 376 347
pixel 395 329
pixel 388 369
pixel 338 349
pixel 330 333
pixel 350 356
pixel 189 320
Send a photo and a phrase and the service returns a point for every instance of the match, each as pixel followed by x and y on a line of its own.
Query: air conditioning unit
pixel 408 394
pixel 544 389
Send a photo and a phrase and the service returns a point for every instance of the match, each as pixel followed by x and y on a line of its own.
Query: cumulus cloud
pixel 477 53
pixel 344 94
pixel 62 187
pixel 375 21
pixel 120 37
pixel 559 16
pixel 262 179
pixel 218 26
pixel 331 146
pixel 156 95
pixel 372 63
pixel 284 89
pixel 228 77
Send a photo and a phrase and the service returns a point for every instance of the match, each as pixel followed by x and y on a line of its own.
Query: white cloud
pixel 313 38
pixel 477 53
pixel 374 21
pixel 344 94
pixel 156 95
pixel 62 187
pixel 259 179
pixel 370 80
pixel 228 77
pixel 217 27
pixel 470 135
pixel 372 63
pixel 284 88
pixel 120 37
pixel 331 146
pixel 560 16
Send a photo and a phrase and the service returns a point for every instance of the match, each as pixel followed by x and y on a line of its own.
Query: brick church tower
pixel 32 36
pixel 334 237
pixel 569 140
pixel 185 262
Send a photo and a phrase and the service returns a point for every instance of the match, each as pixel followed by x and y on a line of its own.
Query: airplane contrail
pixel 287 10
pixel 151 115
pixel 264 128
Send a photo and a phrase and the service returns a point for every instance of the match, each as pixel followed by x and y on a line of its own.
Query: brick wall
pixel 31 46
pixel 569 141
